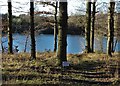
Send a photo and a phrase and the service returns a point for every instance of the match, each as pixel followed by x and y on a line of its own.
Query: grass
pixel 85 70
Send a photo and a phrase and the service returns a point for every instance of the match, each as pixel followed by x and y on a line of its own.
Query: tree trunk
pixel 62 32
pixel 55 28
pixel 112 22
pixel 10 40
pixel 26 41
pixel 2 46
pixel 110 40
pixel 92 27
pixel 88 26
pixel 32 32
pixel 116 26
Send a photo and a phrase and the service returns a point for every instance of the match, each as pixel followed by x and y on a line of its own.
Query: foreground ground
pixel 85 70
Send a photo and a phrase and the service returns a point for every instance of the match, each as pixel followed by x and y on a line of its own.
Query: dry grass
pixel 18 69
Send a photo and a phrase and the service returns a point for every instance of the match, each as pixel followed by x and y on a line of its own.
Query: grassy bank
pixel 85 70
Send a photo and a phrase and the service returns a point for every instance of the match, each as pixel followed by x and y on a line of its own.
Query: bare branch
pixel 46 3
pixel 49 3
pixel 17 7
pixel 21 3
pixel 3 5
pixel 15 11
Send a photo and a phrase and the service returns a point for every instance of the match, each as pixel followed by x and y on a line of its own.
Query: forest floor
pixel 84 70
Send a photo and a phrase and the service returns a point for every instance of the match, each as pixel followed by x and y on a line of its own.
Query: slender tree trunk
pixel 92 27
pixel 62 32
pixel 26 43
pixel 55 28
pixel 10 40
pixel 112 33
pixel 115 45
pixel 112 22
pixel 116 26
pixel 2 46
pixel 1 33
pixel 110 40
pixel 88 26
pixel 32 32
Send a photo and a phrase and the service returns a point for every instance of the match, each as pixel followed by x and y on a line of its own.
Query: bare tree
pixel 55 28
pixel 62 32
pixel 110 27
pixel 10 40
pixel 92 26
pixel 54 4
pixel 88 26
pixel 32 32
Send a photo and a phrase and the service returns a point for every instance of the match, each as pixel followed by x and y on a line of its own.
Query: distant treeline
pixel 45 24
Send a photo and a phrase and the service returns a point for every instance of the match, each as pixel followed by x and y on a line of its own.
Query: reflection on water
pixel 75 43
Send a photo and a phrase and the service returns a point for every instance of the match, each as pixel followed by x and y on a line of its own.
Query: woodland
pixel 57 67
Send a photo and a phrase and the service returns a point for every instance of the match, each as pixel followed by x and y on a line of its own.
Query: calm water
pixel 75 43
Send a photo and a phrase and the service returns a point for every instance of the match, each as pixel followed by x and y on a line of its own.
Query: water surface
pixel 75 43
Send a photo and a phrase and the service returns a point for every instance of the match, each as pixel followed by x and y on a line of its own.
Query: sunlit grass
pixel 18 69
